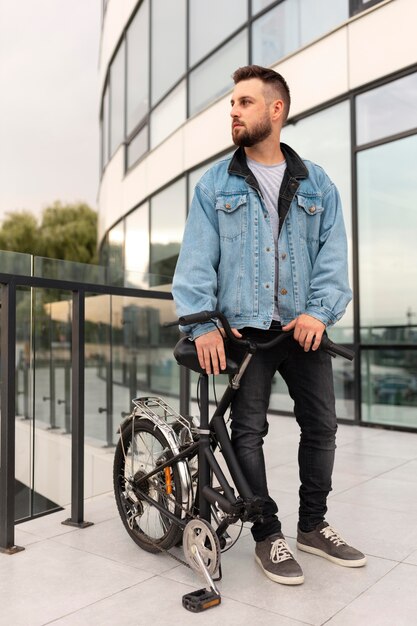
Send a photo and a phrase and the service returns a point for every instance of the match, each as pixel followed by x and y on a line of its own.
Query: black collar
pixel 295 165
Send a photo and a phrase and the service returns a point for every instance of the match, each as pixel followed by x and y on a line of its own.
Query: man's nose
pixel 234 111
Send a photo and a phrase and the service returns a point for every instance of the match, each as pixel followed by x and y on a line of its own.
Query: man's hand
pixel 210 351
pixel 308 331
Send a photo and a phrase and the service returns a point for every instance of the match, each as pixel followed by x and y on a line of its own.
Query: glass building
pixel 165 81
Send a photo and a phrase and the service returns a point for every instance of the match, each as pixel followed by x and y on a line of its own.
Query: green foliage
pixel 66 231
pixel 19 233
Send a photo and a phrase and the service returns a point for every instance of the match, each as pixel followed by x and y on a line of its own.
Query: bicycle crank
pixel 202 552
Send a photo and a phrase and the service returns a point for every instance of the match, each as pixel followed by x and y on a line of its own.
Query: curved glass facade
pixel 366 140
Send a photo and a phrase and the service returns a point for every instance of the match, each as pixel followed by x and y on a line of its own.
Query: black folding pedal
pixel 200 600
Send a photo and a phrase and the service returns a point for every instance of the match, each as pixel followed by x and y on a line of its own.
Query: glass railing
pixel 128 353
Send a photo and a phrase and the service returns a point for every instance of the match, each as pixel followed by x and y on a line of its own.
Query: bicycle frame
pixel 235 506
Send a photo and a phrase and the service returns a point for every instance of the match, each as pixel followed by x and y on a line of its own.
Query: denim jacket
pixel 227 258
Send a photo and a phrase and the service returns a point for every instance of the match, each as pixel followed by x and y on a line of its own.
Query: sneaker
pixel 277 561
pixel 325 541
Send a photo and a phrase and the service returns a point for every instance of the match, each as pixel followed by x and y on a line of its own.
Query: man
pixel 265 243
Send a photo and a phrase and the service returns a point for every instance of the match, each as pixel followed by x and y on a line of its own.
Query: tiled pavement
pixel 98 576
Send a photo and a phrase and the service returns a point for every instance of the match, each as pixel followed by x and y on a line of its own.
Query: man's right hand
pixel 210 351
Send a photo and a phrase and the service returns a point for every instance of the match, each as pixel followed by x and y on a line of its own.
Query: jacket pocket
pixel 309 216
pixel 232 213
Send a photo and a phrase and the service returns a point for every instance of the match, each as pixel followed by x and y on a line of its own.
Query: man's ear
pixel 277 109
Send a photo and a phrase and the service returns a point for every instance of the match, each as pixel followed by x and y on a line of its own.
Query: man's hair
pixel 270 78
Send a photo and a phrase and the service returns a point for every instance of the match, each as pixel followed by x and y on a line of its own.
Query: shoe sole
pixel 283 580
pixel 329 557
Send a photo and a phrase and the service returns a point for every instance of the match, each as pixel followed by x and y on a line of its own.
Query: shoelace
pixel 280 551
pixel 332 535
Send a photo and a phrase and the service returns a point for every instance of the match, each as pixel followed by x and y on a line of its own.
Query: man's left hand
pixel 308 331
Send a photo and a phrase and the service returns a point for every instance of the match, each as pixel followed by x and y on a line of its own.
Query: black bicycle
pixel 169 486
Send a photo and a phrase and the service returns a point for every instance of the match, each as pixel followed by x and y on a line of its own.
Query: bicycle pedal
pixel 200 600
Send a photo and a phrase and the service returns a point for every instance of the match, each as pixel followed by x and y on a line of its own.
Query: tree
pixel 66 231
pixel 19 233
pixel 69 232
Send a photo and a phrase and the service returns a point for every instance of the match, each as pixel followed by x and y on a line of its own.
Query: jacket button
pixel 284 292
pixel 227 206
pixel 283 256
pixel 268 249
pixel 267 286
pixel 312 209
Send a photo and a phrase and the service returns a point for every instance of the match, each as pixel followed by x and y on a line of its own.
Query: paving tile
pixel 158 602
pixel 48 580
pixel 381 533
pixel 383 493
pixel 121 549
pixel 391 601
pixel 327 589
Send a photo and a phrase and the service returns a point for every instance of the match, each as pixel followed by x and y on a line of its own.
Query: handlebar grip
pixel 197 318
pixel 334 348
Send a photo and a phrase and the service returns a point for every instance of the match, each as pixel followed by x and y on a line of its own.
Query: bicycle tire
pixel 145 524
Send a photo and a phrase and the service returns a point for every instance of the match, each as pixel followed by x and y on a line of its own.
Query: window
pixel 105 129
pixel 389 387
pixel 211 22
pixel 137 40
pixel 356 6
pixel 387 189
pixel 137 147
pixel 168 209
pixel 168 38
pixel 137 247
pixel 213 78
pixel 387 110
pixel 117 86
pixel 320 16
pixel 276 33
pixel 169 115
pixel 115 254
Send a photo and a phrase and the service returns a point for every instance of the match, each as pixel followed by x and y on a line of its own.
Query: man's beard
pixel 248 138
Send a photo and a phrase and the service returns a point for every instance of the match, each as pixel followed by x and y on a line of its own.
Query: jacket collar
pixel 295 165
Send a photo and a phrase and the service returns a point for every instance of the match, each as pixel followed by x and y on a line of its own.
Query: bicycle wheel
pixel 134 458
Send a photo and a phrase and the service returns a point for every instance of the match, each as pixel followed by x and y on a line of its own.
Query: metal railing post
pixel 7 419
pixel 78 393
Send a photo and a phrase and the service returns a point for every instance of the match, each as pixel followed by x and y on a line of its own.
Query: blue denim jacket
pixel 227 258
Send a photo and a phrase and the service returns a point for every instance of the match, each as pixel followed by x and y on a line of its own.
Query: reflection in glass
pixel 320 16
pixel 168 26
pixel 117 85
pixel 276 33
pixel 137 41
pixel 212 79
pixel 211 22
pixel 169 115
pixel 389 387
pixel 115 254
pixel 137 147
pixel 325 139
pixel 168 209
pixel 387 110
pixel 259 5
pixel 137 247
pixel 387 189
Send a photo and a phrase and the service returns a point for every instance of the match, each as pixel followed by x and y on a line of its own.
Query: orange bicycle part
pixel 168 480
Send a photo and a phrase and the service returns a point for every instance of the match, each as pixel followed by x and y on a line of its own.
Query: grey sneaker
pixel 325 541
pixel 277 561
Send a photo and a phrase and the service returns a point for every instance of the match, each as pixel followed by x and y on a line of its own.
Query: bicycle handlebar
pixel 206 316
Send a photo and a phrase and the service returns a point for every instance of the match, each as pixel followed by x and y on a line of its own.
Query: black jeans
pixel 308 376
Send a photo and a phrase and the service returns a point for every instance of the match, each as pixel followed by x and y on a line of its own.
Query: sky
pixel 49 103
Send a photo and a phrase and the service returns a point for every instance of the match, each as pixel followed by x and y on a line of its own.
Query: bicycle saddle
pixel 185 353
